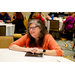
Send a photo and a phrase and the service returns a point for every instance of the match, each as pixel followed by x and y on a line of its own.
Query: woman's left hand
pixel 39 50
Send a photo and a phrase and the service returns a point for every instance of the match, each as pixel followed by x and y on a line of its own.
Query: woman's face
pixel 34 30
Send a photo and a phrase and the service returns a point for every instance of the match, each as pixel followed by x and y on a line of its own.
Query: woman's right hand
pixel 1 20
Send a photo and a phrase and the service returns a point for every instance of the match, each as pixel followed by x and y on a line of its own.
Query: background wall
pixel 28 13
pixel 24 13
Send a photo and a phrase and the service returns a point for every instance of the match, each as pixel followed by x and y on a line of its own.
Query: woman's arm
pixel 19 44
pixel 67 19
pixel 51 46
pixel 17 48
pixel 48 52
pixel 23 49
pixel 33 50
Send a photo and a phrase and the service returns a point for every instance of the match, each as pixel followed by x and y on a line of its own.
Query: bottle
pixel 52 16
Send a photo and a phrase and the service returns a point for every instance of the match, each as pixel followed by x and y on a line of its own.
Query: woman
pixel 18 21
pixel 69 22
pixel 36 40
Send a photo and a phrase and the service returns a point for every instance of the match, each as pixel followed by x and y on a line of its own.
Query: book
pixel 34 54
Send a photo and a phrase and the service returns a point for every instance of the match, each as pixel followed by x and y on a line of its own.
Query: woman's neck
pixel 36 40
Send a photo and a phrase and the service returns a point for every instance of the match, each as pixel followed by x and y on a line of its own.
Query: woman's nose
pixel 31 29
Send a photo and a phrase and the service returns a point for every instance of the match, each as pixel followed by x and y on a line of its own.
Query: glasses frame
pixel 32 28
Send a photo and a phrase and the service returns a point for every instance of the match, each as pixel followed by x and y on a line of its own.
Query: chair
pixel 26 24
pixel 26 18
pixel 65 17
pixel 17 35
pixel 54 25
pixel 54 28
pixel 2 30
pixel 5 41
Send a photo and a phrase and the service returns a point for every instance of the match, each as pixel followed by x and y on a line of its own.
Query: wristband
pixel 44 50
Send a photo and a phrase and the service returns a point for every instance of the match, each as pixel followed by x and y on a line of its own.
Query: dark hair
pixel 43 31
pixel 19 15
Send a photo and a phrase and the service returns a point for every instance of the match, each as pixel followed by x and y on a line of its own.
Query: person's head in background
pixel 36 32
pixel 18 15
pixel 71 14
pixel 35 14
pixel 32 12
pixel 3 13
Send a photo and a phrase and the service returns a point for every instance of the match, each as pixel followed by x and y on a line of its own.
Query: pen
pixel 58 60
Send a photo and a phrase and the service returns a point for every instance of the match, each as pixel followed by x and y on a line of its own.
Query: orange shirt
pixel 49 43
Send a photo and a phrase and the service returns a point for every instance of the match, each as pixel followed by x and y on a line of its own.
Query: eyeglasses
pixel 32 28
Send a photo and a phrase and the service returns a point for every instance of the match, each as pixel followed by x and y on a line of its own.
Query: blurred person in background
pixel 5 17
pixel 69 22
pixel 55 14
pixel 30 16
pixel 18 20
pixel 39 15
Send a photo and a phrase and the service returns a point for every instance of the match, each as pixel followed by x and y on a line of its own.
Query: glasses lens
pixel 32 28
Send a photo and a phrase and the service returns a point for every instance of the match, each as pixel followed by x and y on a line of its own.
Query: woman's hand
pixel 39 51
pixel 1 20
pixel 34 50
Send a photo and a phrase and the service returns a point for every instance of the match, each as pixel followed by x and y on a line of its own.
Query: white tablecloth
pixel 7 55
pixel 10 28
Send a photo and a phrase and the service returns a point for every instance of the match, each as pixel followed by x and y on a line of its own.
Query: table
pixel 10 28
pixel 47 24
pixel 7 55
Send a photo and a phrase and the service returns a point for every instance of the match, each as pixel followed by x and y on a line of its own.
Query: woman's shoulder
pixel 48 35
pixel 69 17
pixel 26 35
